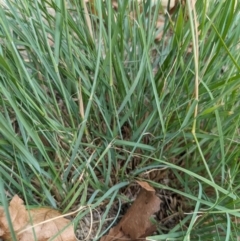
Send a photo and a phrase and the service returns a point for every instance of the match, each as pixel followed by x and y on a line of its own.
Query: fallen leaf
pixel 39 224
pixel 146 186
pixel 19 217
pixel 136 223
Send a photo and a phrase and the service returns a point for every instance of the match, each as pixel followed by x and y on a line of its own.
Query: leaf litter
pixel 136 224
pixel 151 210
pixel 40 224
pixel 132 218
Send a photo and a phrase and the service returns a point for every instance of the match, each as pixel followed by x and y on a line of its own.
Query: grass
pixel 90 105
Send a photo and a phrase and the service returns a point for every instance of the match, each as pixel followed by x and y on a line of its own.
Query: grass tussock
pixel 90 103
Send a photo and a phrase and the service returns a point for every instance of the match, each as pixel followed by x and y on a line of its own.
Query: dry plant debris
pixel 136 224
pixel 167 9
pixel 40 224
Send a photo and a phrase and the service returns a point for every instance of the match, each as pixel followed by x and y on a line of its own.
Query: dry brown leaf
pixel 42 223
pixel 19 217
pixel 136 223
pixel 146 186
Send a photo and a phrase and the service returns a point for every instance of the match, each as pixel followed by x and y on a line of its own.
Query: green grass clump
pixel 90 104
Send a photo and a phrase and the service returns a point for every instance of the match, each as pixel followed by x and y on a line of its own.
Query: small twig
pixel 87 18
